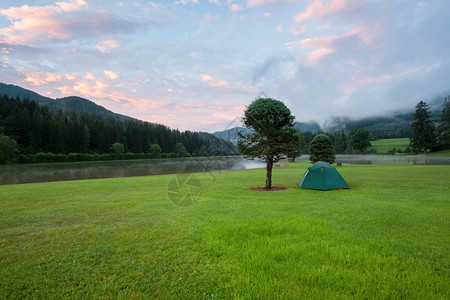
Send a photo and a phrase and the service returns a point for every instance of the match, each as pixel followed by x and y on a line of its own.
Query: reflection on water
pixel 12 174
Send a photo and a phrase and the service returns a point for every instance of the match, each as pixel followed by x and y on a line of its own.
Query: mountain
pixel 13 91
pixel 232 134
pixel 311 126
pixel 66 104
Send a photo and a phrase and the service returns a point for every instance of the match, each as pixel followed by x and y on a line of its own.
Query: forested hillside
pixel 37 129
pixel 66 104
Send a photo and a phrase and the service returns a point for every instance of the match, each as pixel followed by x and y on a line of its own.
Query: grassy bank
pixel 440 153
pixel 386 237
pixel 385 145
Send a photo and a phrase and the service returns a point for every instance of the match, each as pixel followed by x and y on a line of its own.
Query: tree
pixel 180 150
pixel 8 149
pixel 295 149
pixel 118 148
pixel 340 143
pixel 360 140
pixel 273 136
pixel 155 150
pixel 321 149
pixel 443 129
pixel 423 136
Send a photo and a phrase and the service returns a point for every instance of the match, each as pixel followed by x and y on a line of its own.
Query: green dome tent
pixel 322 176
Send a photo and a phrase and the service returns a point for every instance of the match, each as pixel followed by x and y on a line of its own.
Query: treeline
pixel 355 141
pixel 42 134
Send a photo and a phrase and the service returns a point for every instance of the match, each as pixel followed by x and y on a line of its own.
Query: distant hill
pixel 380 126
pixel 311 126
pixel 231 134
pixel 395 125
pixel 74 104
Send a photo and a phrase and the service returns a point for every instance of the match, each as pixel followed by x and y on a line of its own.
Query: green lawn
pixel 384 145
pixel 386 237
pixel 440 153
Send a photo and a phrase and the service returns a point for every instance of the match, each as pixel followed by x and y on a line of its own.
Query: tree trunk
pixel 269 166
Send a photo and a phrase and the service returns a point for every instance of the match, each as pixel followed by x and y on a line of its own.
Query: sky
pixel 196 64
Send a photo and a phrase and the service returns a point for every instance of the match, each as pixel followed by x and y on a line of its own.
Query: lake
pixel 28 173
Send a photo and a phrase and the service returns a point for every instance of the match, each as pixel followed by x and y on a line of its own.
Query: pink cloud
pixel 41 78
pixel 71 76
pixel 35 25
pixel 318 10
pixel 201 116
pixel 105 46
pixel 214 82
pixel 90 76
pixel 219 83
pixel 31 22
pixel 110 74
pixel 324 45
pixel 359 80
pixel 204 77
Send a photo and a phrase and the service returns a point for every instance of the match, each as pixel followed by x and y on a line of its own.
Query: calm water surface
pixel 28 173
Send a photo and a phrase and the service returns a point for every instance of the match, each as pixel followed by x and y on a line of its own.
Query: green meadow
pixel 386 237
pixel 385 145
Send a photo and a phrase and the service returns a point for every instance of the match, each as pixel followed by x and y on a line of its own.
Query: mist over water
pixel 29 173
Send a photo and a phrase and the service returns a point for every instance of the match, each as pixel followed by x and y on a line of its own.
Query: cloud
pixel 204 77
pixel 41 78
pixel 106 46
pixel 235 7
pixel 208 18
pixel 214 82
pixel 257 3
pixel 111 75
pixel 324 45
pixel 33 25
pixel 187 2
pixel 31 22
pixel 321 9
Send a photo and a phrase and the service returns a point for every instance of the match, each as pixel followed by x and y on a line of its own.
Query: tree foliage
pixel 297 145
pixel 422 129
pixel 273 136
pixel 360 140
pixel 443 128
pixel 8 149
pixel 340 142
pixel 321 149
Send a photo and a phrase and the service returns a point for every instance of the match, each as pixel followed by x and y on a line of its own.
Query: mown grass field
pixel 385 145
pixel 440 153
pixel 386 237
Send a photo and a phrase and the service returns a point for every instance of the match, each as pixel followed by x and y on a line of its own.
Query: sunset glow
pixel 196 64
